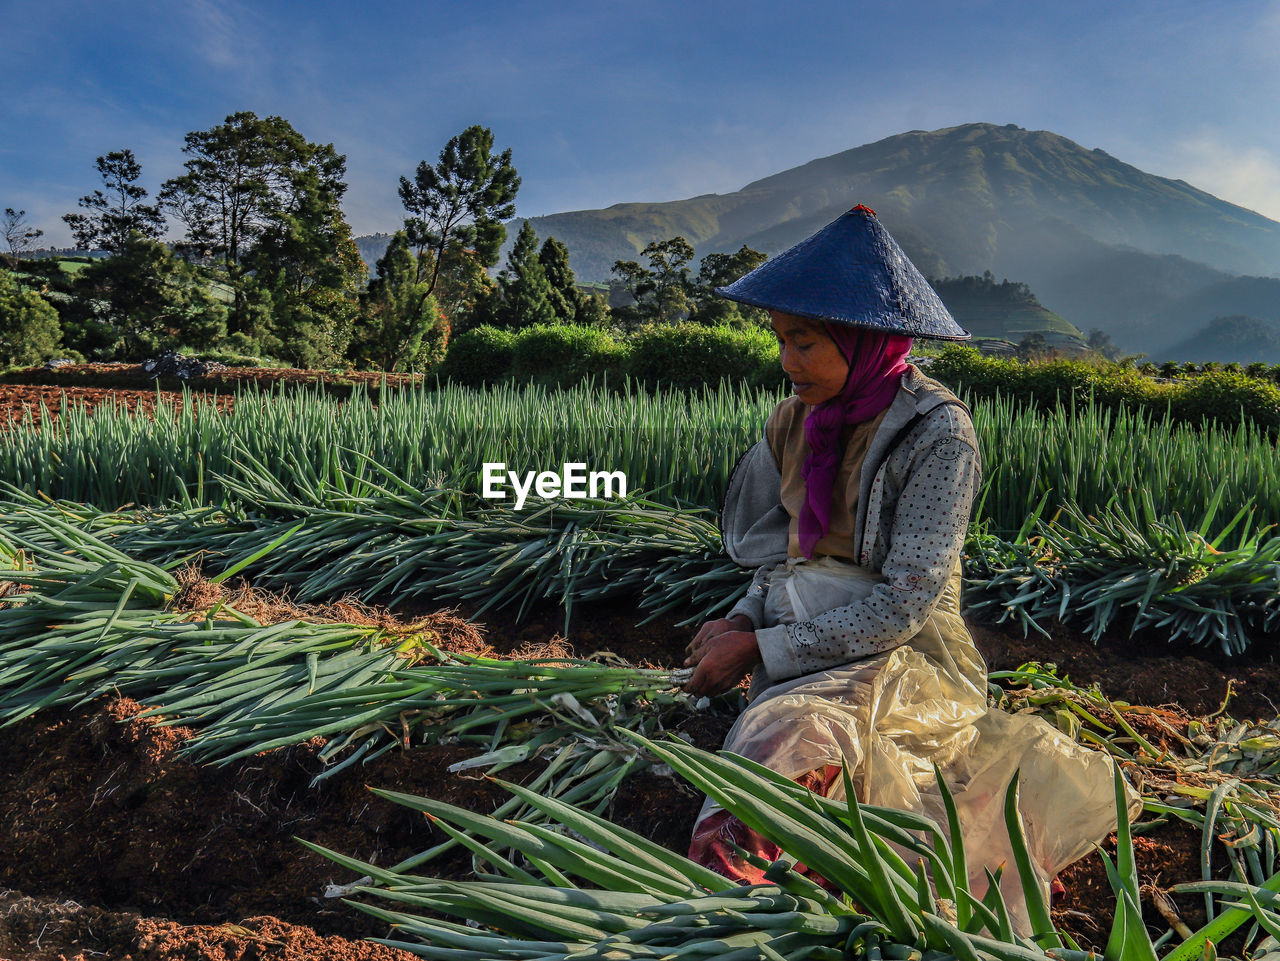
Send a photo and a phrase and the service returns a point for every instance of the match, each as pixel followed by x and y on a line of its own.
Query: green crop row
pixel 677 447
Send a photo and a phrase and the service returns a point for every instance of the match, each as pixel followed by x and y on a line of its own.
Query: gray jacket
pixel 919 479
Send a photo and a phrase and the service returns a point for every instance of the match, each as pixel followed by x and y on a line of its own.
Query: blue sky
pixel 619 100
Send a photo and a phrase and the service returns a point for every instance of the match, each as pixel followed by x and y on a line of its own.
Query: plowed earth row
pixel 116 847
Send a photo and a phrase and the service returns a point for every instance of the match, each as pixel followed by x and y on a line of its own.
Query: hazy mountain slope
pixel 372 247
pixel 1003 311
pixel 1226 339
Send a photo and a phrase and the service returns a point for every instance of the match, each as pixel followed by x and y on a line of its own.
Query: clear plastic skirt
pixel 892 717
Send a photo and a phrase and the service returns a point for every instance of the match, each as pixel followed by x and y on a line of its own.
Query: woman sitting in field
pixel 853 510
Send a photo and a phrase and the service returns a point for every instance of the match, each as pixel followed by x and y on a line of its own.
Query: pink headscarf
pixel 876 364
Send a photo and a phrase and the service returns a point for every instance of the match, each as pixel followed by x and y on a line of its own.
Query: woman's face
pixel 810 357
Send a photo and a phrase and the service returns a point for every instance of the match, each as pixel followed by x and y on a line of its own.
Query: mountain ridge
pixel 1026 204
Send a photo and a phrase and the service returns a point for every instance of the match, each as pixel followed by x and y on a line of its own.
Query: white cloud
pixel 1245 175
pixel 216 35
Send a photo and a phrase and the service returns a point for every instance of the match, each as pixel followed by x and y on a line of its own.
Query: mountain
pixel 372 247
pixel 1227 339
pixel 1102 243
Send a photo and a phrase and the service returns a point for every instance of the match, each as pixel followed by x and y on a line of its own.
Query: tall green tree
pixel 564 296
pixel 311 271
pixel 29 329
pixel 720 270
pixel 141 301
pixel 660 292
pixel 525 295
pixel 460 201
pixel 400 323
pixel 119 212
pixel 668 267
pixel 262 204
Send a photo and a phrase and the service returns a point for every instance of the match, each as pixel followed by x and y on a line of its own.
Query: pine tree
pixel 460 202
pixel 145 300
pixel 565 299
pixel 118 215
pixel 525 292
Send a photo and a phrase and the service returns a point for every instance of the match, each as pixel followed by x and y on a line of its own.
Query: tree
pixel 626 291
pixel 668 262
pixel 18 234
pixel 400 324
pixel 525 295
pixel 311 271
pixel 593 310
pixel 145 300
pixel 29 330
pixel 461 201
pixel 564 297
pixel 263 204
pixel 119 213
pixel 661 291
pixel 1034 346
pixel 465 292
pixel 720 270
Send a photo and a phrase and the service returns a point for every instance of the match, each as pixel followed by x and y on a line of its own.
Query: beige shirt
pixel 785 433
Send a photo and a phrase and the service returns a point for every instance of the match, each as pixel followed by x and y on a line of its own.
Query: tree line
pixel 266 267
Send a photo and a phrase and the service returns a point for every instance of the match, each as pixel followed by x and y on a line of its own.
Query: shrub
pixel 964 367
pixel 1226 396
pixel 563 355
pixel 480 356
pixel 229 357
pixel 1229 397
pixel 29 328
pixel 691 355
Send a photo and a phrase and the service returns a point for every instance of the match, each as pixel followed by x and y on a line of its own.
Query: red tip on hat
pixel 864 208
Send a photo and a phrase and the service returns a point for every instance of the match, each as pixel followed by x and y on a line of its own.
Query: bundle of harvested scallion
pixel 896 886
pixel 93 620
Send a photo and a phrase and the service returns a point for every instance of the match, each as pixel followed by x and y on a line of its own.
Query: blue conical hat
pixel 850 272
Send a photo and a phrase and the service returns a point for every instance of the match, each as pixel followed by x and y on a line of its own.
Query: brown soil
pixel 129 384
pixel 18 402
pixel 23 393
pixel 115 847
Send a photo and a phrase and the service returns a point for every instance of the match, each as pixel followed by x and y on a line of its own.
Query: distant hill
pixel 1227 339
pixel 1254 297
pixel 372 247
pixel 1103 243
pixel 1002 311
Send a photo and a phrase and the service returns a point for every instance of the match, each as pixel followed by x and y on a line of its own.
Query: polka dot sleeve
pixel 928 531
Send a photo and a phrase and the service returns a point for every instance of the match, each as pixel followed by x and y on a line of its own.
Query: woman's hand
pixel 723 652
pixel 709 630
